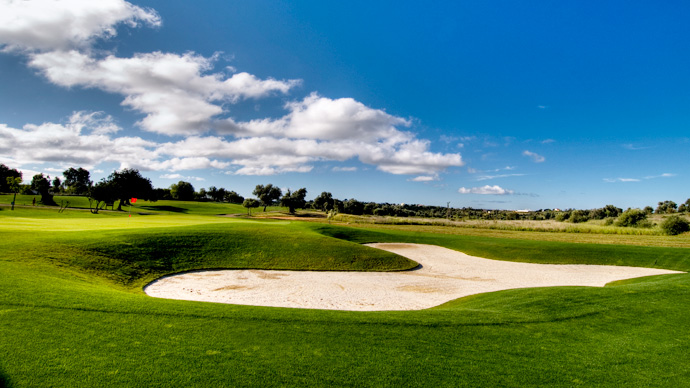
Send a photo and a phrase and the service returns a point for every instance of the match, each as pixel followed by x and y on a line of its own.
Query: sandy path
pixel 445 275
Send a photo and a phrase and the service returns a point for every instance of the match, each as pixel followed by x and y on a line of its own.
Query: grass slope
pixel 72 313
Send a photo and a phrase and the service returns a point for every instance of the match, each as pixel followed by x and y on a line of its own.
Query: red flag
pixel 133 200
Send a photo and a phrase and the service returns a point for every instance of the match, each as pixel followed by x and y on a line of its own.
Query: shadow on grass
pixel 4 380
pixel 165 208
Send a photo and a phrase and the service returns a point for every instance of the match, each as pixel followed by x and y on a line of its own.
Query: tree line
pixel 122 185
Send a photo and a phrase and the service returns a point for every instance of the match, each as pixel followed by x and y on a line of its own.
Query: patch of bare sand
pixel 444 275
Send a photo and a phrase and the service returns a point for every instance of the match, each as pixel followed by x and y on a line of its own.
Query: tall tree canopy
pixel 294 200
pixel 102 193
pixel 267 194
pixel 324 201
pixel 77 180
pixel 129 183
pixel 183 191
pixel 6 172
pixel 41 185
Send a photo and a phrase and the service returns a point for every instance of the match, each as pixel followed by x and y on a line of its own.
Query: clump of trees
pixel 294 200
pixel 121 185
pixel 675 225
pixel 633 218
pixel 267 194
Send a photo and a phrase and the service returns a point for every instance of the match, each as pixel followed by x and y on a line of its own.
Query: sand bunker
pixel 444 275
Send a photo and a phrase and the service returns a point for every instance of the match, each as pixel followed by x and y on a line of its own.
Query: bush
pixel 633 218
pixel 577 216
pixel 675 225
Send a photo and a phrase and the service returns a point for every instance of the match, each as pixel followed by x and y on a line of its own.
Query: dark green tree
pixel 353 206
pixel 324 201
pixel 57 185
pixel 268 194
pixel 129 183
pixel 633 217
pixel 77 180
pixel 41 185
pixel 100 194
pixel 6 172
pixel 666 207
pixel 675 225
pixel 250 203
pixel 684 207
pixel 294 200
pixel 183 191
pixel 233 197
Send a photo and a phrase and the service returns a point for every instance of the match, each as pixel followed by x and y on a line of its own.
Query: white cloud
pixel 489 177
pixel 485 190
pixel 344 169
pixel 664 175
pixel 536 158
pixel 174 91
pixel 424 178
pixel 52 24
pixel 612 180
pixel 179 94
pixel 181 177
pixel 84 141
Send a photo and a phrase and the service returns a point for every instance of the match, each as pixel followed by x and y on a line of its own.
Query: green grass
pixel 72 312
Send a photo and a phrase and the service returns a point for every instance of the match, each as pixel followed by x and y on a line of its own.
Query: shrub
pixel 634 218
pixel 675 225
pixel 577 216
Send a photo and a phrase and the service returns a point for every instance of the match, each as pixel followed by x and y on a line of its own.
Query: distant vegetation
pixel 120 186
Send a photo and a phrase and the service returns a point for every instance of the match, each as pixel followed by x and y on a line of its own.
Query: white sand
pixel 445 275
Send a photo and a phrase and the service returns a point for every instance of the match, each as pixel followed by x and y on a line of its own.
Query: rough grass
pixel 68 318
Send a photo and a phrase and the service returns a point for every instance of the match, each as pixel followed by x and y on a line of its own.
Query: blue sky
pixel 507 104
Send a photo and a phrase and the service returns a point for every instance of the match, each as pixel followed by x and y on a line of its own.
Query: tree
pixel 216 194
pixel 101 193
pixel 129 183
pixel 685 207
pixel 13 184
pixel 57 185
pixel 183 191
pixel 250 203
pixel 666 207
pixel 233 197
pixel 202 195
pixel 41 185
pixel 648 210
pixel 77 181
pixel 353 206
pixel 267 194
pixel 6 172
pixel 324 201
pixel 634 218
pixel 294 200
pixel 675 225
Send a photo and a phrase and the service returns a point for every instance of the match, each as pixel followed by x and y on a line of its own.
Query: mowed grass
pixel 72 312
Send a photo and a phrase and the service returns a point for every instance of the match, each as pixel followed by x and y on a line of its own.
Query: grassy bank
pixel 72 312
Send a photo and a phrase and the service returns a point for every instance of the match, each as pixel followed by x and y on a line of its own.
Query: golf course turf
pixel 73 313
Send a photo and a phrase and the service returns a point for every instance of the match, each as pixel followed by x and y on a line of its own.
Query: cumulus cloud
pixel 57 25
pixel 344 169
pixel 612 180
pixel 84 140
pixel 424 178
pixel 181 177
pixel 536 158
pixel 181 95
pixel 485 190
pixel 175 91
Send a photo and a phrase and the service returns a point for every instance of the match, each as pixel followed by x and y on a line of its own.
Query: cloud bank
pixel 181 96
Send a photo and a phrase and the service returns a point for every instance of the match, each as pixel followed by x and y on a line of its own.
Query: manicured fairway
pixel 72 312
